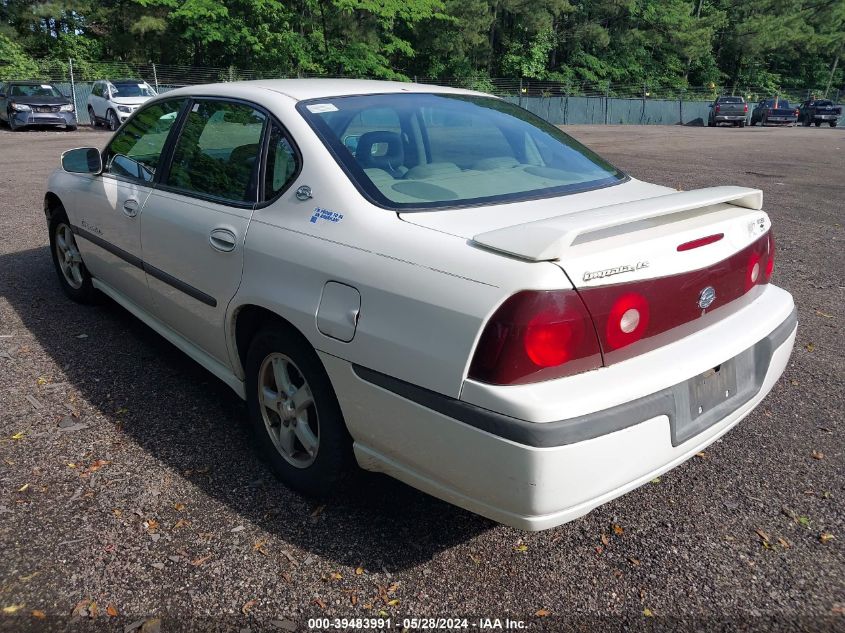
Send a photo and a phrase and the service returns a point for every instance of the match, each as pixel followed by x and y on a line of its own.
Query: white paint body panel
pixel 426 292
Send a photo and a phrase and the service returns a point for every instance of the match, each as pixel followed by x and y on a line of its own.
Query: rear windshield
pixel 132 89
pixel 781 103
pixel 730 100
pixel 37 90
pixel 823 102
pixel 427 151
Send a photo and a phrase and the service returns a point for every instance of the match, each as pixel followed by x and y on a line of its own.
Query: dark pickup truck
pixel 774 111
pixel 819 111
pixel 726 109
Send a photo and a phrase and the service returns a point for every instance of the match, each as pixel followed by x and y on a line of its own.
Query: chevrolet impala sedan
pixel 431 283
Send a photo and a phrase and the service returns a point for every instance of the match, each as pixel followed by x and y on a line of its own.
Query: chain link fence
pixel 558 102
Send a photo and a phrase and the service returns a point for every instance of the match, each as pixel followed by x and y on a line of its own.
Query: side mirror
pixel 82 160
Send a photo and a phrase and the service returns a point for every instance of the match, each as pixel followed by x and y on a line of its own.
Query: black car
pixel 25 103
pixel 819 111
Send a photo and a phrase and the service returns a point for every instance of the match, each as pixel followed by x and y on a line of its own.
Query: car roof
pixel 303 89
pixel 29 83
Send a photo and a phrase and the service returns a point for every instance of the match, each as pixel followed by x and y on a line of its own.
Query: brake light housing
pixel 541 335
pixel 534 336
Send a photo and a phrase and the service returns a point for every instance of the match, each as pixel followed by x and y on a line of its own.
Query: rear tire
pixel 832 123
pixel 70 128
pixel 294 413
pixel 74 277
pixel 742 124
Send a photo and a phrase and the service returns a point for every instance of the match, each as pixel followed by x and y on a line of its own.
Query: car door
pixel 194 223
pixel 97 99
pixel 108 206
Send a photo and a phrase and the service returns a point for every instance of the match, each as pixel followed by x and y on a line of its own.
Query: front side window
pixel 425 151
pixel 136 149
pixel 217 151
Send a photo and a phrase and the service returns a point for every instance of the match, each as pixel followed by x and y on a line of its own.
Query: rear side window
pixel 135 151
pixel 282 164
pixel 217 151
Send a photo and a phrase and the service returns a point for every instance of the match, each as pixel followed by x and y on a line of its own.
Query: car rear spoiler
pixel 544 240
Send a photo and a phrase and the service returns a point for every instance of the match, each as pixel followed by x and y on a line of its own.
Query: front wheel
pixel 74 277
pixel 112 121
pixel 294 413
pixel 92 117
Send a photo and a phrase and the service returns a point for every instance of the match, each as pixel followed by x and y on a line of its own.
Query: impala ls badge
pixel 706 297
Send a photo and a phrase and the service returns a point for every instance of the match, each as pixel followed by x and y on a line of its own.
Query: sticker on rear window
pixel 319 108
pixel 46 86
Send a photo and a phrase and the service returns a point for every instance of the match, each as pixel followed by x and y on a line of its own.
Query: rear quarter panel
pixel 424 294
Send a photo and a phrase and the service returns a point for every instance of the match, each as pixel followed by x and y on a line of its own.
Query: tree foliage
pixel 668 43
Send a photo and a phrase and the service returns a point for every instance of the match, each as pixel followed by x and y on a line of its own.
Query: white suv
pixel 469 300
pixel 112 102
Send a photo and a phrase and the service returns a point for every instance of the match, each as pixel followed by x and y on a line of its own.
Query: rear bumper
pixel 533 475
pixel 825 117
pixel 724 118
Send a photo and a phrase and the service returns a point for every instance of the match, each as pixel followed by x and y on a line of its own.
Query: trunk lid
pixel 642 266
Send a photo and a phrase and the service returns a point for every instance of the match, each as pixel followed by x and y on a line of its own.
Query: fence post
pixel 155 77
pixel 681 108
pixel 606 102
pixel 520 92
pixel 72 86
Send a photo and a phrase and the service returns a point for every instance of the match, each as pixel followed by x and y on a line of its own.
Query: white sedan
pixel 430 282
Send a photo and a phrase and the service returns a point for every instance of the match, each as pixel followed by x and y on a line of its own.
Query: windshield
pixel 133 89
pixel 38 90
pixel 424 151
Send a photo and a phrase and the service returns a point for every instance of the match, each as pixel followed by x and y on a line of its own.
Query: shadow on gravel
pixel 188 420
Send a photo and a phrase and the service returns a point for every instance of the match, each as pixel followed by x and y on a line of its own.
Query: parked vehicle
pixel 112 102
pixel 24 103
pixel 469 300
pixel 728 109
pixel 774 111
pixel 818 111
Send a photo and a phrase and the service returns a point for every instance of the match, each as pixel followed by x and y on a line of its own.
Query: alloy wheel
pixel 288 410
pixel 69 259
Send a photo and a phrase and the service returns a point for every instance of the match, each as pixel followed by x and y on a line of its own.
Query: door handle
pixel 222 240
pixel 130 208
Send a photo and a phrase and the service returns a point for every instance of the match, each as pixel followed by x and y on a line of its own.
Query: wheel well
pixel 52 204
pixel 250 319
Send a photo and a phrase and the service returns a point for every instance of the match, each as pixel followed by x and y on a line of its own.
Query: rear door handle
pixel 222 240
pixel 130 208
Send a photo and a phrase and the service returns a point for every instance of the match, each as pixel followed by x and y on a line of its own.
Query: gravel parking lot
pixel 129 490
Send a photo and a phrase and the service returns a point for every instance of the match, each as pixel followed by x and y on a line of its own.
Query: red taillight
pixel 797 112
pixel 536 335
pixel 664 303
pixel 718 107
pixel 627 320
pixel 702 241
pixel 770 262
pixel 746 107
